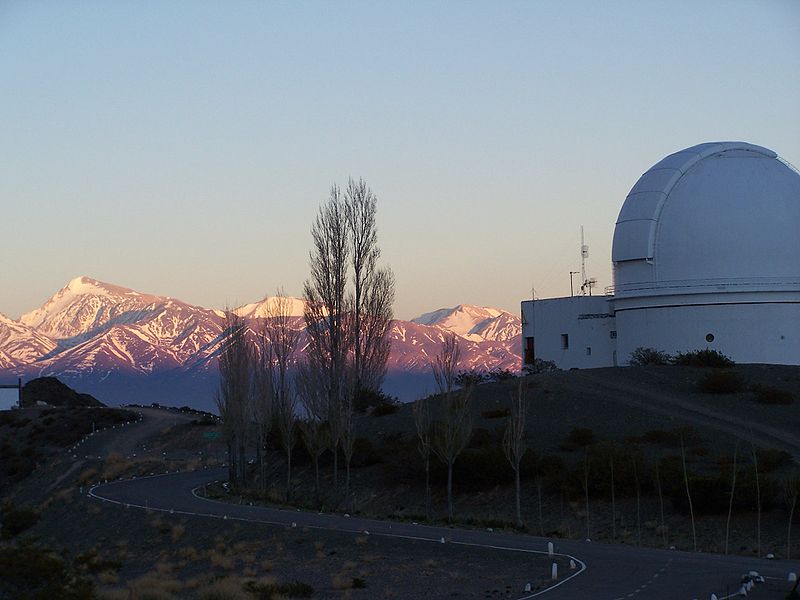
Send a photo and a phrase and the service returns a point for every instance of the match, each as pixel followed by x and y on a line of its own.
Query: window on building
pixel 612 334
pixel 588 350
pixel 565 341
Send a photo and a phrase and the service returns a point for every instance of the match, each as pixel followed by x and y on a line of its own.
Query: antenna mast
pixel 587 283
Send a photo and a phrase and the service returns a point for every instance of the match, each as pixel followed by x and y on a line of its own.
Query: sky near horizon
pixel 183 148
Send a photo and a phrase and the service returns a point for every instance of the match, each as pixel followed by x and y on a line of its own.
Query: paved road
pixel 603 571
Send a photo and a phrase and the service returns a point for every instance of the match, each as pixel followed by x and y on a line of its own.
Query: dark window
pixel 529 354
pixel 612 334
pixel 709 337
pixel 588 350
pixel 565 341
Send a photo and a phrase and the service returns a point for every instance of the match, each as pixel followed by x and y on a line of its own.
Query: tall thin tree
pixel 424 426
pixel 454 425
pixel 791 490
pixel 514 446
pixel 688 492
pixel 325 293
pixel 734 470
pixel 280 338
pixel 233 394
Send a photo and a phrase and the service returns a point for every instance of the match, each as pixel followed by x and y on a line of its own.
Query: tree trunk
pixel 450 492
pixel 539 493
pixel 730 502
pixel 428 488
pixel 336 465
pixel 347 483
pixel 789 534
pixel 586 490
pixel 661 507
pixel 288 475
pixel 758 505
pixel 638 504
pixel 613 503
pixel 688 493
pixel 519 508
pixel 316 479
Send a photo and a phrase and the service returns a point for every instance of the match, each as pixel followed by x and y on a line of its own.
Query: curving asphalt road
pixel 603 571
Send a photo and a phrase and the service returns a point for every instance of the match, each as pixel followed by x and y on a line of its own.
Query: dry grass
pixel 266 565
pixel 115 466
pixel 361 540
pixel 87 476
pixel 220 560
pixel 177 532
pixel 224 589
pixel 108 577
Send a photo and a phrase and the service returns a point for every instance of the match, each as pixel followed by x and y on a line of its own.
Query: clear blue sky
pixel 183 148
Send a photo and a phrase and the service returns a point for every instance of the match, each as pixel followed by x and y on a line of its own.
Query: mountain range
pixel 125 346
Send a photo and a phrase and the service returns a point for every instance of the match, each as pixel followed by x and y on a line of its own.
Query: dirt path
pixel 670 405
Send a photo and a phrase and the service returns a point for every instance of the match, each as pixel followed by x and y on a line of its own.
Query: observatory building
pixel 706 254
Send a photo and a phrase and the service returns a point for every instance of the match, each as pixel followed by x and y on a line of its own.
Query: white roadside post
pixel 550 549
pixel 554 572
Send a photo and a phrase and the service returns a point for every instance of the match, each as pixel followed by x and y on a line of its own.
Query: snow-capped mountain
pixel 475 323
pixel 97 332
pixel 20 344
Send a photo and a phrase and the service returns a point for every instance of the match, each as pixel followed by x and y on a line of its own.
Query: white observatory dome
pixel 714 218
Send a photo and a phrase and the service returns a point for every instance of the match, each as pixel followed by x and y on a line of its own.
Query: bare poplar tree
pixel 514 443
pixel 454 427
pixel 261 405
pixel 233 395
pixel 280 340
pixel 423 422
pixel 586 489
pixel 635 459
pixel 688 492
pixel 791 490
pixel 325 308
pixel 758 499
pixel 734 469
pixel 661 505
pixel 348 330
pixel 314 428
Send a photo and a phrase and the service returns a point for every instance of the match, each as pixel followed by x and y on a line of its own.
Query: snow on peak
pixel 474 323
pixel 259 310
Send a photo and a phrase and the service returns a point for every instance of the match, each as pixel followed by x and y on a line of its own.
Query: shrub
pixel 720 382
pixel 480 469
pixel 703 358
pixel 359 583
pixel 16 519
pixel 366 399
pixel 471 377
pixel 364 453
pixel 642 357
pixel 33 571
pixel 386 408
pixel 540 366
pixel 771 395
pixel 500 375
pixel 579 437
pixel 771 459
pixel 497 413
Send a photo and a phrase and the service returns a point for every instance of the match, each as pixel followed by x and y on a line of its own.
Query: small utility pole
pixel 571 287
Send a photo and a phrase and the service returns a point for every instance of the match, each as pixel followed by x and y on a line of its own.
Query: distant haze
pixel 182 148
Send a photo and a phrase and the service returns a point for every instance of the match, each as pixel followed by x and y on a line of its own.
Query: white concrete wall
pixel 585 319
pixel 9 398
pixel 748 333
